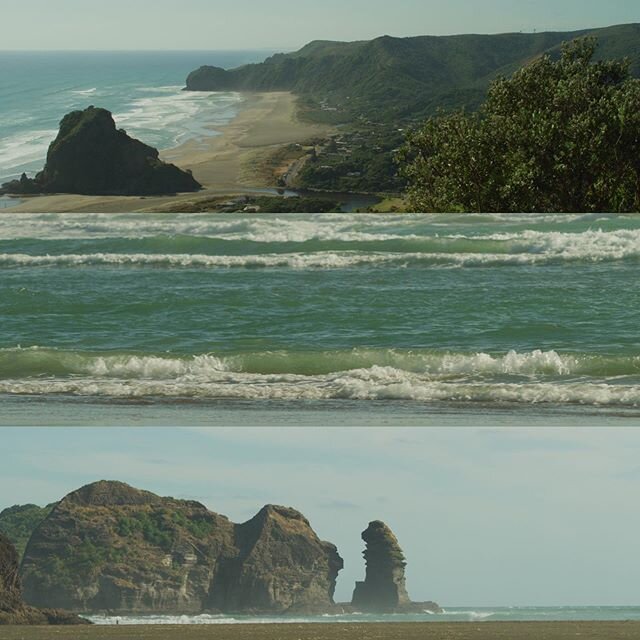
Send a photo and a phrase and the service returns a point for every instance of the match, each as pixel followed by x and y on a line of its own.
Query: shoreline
pixel 294 631
pixel 225 164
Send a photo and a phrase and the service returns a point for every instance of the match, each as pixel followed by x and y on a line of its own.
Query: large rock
pixel 384 586
pixel 281 565
pixel 12 608
pixel 110 547
pixel 91 157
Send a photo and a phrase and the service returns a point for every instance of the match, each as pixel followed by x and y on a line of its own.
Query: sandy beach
pixel 416 631
pixel 224 164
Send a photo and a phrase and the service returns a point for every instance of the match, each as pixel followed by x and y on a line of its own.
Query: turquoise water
pixel 451 614
pixel 474 314
pixel 142 89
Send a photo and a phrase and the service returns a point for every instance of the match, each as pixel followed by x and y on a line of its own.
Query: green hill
pixel 18 523
pixel 406 77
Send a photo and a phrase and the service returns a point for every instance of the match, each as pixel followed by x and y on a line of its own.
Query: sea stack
pixel 111 547
pixel 383 589
pixel 90 156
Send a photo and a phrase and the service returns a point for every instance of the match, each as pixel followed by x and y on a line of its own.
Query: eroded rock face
pixel 91 157
pixel 383 589
pixel 12 608
pixel 281 565
pixel 10 596
pixel 110 547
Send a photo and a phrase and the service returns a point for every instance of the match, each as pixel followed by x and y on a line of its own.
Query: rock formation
pixel 281 565
pixel 384 586
pixel 111 547
pixel 91 157
pixel 12 608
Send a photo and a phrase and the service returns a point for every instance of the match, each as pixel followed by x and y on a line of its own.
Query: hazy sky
pixel 244 24
pixel 486 517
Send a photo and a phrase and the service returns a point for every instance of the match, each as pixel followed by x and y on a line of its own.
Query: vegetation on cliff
pixel 376 90
pixel 13 610
pixel 397 78
pixel 17 523
pixel 111 547
pixel 559 136
pixel 91 157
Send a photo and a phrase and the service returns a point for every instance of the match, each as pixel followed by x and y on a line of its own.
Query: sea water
pixel 450 614
pixel 337 318
pixel 142 89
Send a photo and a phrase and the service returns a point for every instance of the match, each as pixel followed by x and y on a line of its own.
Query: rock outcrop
pixel 91 157
pixel 384 589
pixel 110 547
pixel 384 586
pixel 281 565
pixel 12 608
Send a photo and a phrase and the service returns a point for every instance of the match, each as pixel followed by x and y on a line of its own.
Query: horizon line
pixel 529 31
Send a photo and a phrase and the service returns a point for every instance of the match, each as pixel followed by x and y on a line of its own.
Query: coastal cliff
pixel 13 610
pixel 110 547
pixel 90 156
pixel 406 77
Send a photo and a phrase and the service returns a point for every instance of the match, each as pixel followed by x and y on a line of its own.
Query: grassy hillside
pixel 18 523
pixel 406 77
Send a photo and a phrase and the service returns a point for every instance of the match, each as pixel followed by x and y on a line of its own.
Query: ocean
pixel 319 319
pixel 142 89
pixel 451 614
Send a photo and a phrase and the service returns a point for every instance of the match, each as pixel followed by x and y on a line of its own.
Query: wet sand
pixel 409 631
pixel 224 164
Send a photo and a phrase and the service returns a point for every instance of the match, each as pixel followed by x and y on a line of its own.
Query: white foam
pixel 184 114
pixel 317 260
pixel 24 149
pixel 288 388
pixel 367 365
pixel 434 378
pixel 85 92
pixel 206 619
pixel 414 233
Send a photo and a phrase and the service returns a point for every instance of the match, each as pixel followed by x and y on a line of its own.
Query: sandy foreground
pixel 410 631
pixel 223 164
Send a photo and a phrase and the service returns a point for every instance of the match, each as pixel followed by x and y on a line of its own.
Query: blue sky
pixel 485 516
pixel 286 24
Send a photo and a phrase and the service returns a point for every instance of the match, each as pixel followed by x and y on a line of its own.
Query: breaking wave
pixel 323 241
pixel 359 374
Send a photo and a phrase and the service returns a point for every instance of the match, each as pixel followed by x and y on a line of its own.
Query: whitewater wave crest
pixel 359 374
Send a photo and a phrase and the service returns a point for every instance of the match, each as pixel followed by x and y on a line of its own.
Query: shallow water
pixel 498 311
pixel 451 614
pixel 142 89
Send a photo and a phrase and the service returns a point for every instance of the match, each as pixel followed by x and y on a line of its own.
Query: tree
pixel 559 135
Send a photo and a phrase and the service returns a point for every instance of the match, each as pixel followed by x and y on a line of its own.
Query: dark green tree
pixel 559 135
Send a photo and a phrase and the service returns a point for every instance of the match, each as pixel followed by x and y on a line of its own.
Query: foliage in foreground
pixel 560 135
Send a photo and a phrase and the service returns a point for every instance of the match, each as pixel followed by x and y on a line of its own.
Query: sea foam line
pixel 34 361
pixel 348 387
pixel 320 259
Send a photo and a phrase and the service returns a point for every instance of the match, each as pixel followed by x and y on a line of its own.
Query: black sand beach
pixel 415 631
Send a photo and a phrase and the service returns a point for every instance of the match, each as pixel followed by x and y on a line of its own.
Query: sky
pixel 486 517
pixel 283 24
